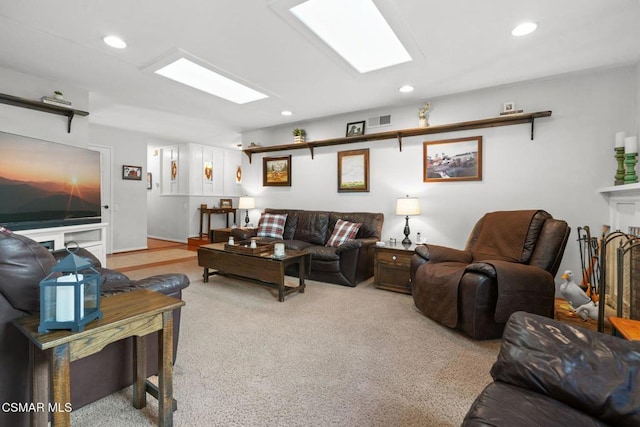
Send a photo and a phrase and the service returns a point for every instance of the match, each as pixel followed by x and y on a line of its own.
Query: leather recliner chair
pixel 508 265
pixel 23 264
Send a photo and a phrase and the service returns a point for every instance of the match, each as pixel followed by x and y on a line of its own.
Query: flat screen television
pixel 46 184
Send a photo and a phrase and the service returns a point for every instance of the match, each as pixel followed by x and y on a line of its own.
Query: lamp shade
pixel 408 206
pixel 246 203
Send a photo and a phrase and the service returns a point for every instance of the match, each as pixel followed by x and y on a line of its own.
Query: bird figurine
pixel 572 292
pixel 587 311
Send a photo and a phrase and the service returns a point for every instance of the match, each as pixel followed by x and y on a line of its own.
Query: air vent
pixel 374 122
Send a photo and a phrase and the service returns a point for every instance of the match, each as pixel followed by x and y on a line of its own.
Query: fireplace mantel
pixel 624 205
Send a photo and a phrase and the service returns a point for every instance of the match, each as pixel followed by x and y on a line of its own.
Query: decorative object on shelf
pixel 59 102
pixel 355 128
pixel 619 149
pixel 453 159
pixel 276 171
pixel 149 180
pixel 407 206
pixel 70 294
pixel 299 135
pixel 423 115
pixel 353 171
pixel 208 171
pixel 246 202
pixel 509 108
pixel 631 159
pixel 226 204
pixel 132 172
pixel 58 95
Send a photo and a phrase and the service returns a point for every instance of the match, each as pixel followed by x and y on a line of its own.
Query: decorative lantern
pixel 69 295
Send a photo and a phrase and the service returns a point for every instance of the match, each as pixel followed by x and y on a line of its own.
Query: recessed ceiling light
pixel 115 42
pixel 191 74
pixel 406 89
pixel 286 113
pixel 356 30
pixel 524 29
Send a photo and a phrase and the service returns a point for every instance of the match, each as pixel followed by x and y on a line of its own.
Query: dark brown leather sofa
pixel 348 264
pixel 23 264
pixel 476 289
pixel 552 374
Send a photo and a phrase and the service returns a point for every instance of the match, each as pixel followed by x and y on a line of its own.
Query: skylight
pixel 191 74
pixel 356 30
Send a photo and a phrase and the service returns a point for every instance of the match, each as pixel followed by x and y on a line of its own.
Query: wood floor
pixel 159 252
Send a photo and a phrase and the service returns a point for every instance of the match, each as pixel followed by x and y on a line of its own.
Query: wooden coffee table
pixel 263 268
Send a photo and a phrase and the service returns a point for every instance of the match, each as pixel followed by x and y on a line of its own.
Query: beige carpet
pixel 333 356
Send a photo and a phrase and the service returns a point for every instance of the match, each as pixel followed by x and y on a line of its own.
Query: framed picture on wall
pixel 276 171
pixel 132 172
pixel 355 128
pixel 453 160
pixel 226 203
pixel 353 171
pixel 208 171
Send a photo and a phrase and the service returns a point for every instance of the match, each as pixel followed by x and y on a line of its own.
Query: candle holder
pixel 620 171
pixel 630 162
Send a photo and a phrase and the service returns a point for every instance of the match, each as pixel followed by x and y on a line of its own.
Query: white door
pixel 105 191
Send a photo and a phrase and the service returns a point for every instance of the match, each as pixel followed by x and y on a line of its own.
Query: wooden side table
pixel 627 328
pixel 137 313
pixel 207 212
pixel 392 268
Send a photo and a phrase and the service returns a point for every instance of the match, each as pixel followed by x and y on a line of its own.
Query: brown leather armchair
pixel 508 265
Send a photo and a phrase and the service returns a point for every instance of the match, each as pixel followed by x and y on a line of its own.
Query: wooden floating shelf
pixel 506 120
pixel 41 106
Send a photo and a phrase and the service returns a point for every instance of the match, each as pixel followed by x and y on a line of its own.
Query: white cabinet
pixel 92 237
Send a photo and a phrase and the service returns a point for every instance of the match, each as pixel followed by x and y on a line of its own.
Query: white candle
pixel 620 139
pixel 65 299
pixel 631 144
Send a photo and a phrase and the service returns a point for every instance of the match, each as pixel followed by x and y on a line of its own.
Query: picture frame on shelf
pixel 458 159
pixel 226 203
pixel 276 171
pixel 355 128
pixel 353 171
pixel 132 172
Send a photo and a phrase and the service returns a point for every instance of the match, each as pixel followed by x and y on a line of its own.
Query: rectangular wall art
pixel 453 160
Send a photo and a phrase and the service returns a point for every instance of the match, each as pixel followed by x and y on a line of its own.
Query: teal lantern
pixel 69 295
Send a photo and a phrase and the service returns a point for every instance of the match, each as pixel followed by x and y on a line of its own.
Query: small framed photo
pixel 276 171
pixel 226 203
pixel 353 171
pixel 132 172
pixel 355 128
pixel 149 180
pixel 453 160
pixel 508 107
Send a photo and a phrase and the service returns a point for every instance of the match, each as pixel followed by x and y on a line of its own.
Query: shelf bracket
pixel 69 118
pixel 532 122
pixel 399 140
pixel 248 153
pixel 311 150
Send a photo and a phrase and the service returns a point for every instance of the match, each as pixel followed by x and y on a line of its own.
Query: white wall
pixel 129 208
pixel 571 156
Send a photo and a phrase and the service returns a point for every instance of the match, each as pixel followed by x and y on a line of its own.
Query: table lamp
pixel 407 206
pixel 247 203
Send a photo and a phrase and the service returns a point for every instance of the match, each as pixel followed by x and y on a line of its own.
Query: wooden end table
pixel 131 314
pixel 392 267
pixel 262 268
pixel 627 328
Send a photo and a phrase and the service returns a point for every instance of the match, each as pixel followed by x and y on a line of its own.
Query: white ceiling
pixel 457 45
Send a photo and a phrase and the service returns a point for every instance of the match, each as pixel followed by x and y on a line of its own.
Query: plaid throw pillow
pixel 343 231
pixel 272 225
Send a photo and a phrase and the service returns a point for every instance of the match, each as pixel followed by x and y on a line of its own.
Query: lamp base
pixel 246 219
pixel 406 241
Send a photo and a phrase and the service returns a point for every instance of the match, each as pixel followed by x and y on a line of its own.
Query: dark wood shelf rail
pixel 507 120
pixel 41 106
